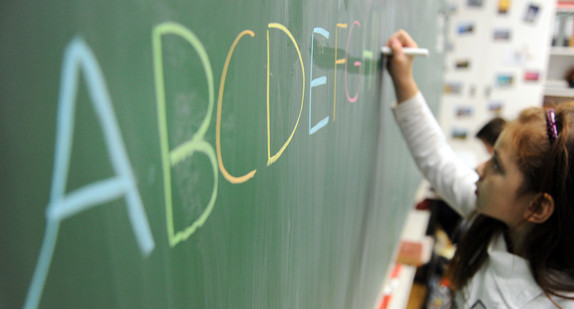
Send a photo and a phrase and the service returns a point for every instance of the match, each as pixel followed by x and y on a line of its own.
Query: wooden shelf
pixel 558 92
pixel 565 9
pixel 558 88
pixel 562 51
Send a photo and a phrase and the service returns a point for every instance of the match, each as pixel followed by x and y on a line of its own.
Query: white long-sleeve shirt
pixel 451 178
pixel 505 280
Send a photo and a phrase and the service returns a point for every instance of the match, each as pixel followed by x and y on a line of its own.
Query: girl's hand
pixel 400 66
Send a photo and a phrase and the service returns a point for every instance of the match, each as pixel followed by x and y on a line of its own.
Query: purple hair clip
pixel 551 125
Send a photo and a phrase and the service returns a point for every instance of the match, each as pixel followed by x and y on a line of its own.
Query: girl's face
pixel 498 187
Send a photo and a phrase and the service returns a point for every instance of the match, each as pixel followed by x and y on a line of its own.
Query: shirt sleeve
pixel 453 180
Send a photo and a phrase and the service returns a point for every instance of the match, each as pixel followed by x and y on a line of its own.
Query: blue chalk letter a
pixel 61 206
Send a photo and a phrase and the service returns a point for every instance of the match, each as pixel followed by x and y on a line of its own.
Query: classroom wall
pixel 495 65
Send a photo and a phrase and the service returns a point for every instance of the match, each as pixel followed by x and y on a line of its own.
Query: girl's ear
pixel 541 208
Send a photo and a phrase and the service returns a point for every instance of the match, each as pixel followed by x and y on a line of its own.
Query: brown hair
pixel 547 168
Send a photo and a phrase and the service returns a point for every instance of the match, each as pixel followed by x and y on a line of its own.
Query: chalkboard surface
pixel 202 154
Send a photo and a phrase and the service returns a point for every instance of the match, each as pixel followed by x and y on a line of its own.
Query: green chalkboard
pixel 202 154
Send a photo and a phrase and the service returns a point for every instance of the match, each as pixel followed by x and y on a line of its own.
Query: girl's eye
pixel 494 164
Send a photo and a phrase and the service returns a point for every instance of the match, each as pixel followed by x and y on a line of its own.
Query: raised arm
pixel 400 66
pixel 450 177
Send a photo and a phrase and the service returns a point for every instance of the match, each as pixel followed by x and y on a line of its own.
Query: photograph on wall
pixel 462 64
pixel 503 6
pixel 531 13
pixel 465 28
pixel 472 91
pixel 465 111
pixel 452 88
pixel 504 80
pixel 531 76
pixel 501 35
pixel 452 8
pixel 475 3
pixel 515 57
pixel 487 91
pixel 495 107
pixel 459 133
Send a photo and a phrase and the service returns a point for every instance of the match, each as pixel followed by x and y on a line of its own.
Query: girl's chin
pixel 480 210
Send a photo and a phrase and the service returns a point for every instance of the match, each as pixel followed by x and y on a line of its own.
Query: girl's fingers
pixel 404 38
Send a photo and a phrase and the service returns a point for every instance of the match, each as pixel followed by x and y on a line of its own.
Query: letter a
pixel 61 206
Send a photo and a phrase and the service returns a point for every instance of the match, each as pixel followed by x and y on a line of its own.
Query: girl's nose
pixel 480 169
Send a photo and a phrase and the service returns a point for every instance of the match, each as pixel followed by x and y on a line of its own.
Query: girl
pixel 519 250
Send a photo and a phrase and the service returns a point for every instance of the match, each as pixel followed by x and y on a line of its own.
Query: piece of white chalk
pixel 409 51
